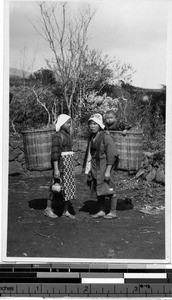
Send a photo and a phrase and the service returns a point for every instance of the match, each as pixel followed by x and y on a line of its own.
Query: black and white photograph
pixel 87 131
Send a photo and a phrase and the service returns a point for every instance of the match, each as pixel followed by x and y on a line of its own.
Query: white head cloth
pixel 97 118
pixel 61 120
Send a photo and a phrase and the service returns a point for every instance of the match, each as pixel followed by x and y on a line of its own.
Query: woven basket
pixel 37 149
pixel 130 148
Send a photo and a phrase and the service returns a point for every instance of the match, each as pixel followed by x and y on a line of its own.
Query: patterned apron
pixel 68 176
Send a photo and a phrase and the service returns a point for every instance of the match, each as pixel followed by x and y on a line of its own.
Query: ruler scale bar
pixel 60 280
pixel 109 289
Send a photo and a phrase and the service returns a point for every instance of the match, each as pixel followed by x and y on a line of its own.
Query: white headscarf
pixel 97 118
pixel 61 120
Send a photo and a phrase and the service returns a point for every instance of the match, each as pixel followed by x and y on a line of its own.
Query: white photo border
pixel 5 157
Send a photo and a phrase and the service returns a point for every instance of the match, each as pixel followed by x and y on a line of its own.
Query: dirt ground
pixel 137 233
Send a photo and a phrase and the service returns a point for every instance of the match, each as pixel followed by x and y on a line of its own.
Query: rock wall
pixel 17 158
pixel 153 167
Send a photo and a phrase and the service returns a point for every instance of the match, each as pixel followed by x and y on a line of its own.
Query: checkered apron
pixel 68 176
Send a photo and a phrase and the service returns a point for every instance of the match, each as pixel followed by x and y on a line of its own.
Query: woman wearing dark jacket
pixel 99 164
pixel 63 168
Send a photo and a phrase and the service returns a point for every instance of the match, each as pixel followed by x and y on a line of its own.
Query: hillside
pixel 14 72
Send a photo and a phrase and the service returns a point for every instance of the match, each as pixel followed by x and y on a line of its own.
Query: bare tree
pixel 39 96
pixel 25 66
pixel 67 38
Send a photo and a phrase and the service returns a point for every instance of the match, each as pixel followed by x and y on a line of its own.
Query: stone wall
pixel 153 167
pixel 17 159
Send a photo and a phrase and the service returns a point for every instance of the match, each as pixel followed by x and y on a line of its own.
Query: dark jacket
pixel 106 154
pixel 61 141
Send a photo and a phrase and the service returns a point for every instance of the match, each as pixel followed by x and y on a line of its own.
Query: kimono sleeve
pixel 110 149
pixel 56 147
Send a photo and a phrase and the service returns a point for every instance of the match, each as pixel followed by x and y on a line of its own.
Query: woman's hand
pixel 56 170
pixel 56 174
pixel 107 173
pixel 107 176
pixel 124 132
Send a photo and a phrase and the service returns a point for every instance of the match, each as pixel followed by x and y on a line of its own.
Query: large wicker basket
pixel 130 148
pixel 37 149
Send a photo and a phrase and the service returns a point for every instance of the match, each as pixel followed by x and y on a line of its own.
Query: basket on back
pixel 37 149
pixel 130 148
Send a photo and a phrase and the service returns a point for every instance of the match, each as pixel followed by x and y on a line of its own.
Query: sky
pixel 135 32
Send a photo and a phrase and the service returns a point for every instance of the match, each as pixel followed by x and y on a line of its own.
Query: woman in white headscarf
pixel 63 168
pixel 99 163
